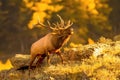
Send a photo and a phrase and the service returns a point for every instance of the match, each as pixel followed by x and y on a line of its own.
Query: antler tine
pixel 51 26
pixel 57 25
pixel 62 21
pixel 39 23
pixel 68 24
pixel 54 24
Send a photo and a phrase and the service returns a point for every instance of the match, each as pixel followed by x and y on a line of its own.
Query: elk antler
pixel 59 26
pixel 51 26
pixel 39 23
pixel 62 21
pixel 69 23
pixel 62 24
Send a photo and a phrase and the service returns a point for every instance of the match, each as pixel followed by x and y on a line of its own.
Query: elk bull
pixel 52 42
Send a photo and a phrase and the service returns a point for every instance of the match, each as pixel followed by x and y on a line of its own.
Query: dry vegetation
pixel 99 61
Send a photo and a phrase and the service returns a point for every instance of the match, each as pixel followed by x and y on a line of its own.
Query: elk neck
pixel 60 40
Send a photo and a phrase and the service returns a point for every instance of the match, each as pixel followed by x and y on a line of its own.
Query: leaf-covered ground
pixel 98 61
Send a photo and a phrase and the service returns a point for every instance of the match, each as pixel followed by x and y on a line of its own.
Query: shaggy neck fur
pixel 59 41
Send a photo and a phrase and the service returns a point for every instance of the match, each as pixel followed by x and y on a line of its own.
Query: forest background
pixel 91 20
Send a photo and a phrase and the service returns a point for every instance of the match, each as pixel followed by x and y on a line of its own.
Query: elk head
pixel 59 28
pixel 62 28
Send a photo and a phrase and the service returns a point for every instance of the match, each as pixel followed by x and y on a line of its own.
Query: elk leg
pixel 48 58
pixel 32 60
pixel 40 59
pixel 61 56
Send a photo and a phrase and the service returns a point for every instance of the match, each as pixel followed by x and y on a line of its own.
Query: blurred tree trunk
pixel 115 16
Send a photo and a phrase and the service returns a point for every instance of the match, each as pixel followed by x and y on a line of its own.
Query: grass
pixel 98 61
pixel 102 64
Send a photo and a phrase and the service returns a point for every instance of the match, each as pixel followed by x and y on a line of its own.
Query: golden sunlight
pixel 5 66
pixel 28 4
pixel 39 9
pixel 90 5
pixel 36 16
pixel 90 41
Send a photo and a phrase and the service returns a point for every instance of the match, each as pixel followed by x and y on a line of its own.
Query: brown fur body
pixel 50 43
